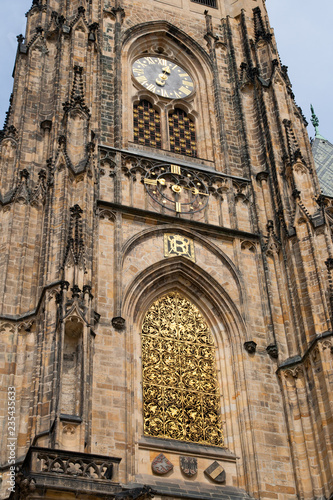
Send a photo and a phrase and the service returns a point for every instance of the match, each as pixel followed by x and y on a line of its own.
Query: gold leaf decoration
pixel 180 388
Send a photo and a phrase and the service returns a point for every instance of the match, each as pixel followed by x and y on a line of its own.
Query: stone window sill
pixel 198 450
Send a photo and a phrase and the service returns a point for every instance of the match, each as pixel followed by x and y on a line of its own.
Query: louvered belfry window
pixel 147 125
pixel 208 3
pixel 182 133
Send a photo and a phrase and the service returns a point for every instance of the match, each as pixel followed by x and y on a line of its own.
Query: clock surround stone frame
pixel 156 41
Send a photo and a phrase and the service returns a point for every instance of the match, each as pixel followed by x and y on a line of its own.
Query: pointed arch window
pixel 147 125
pixel 182 133
pixel 180 388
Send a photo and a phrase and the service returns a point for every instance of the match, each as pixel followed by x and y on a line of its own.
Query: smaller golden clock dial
pixel 176 188
pixel 163 77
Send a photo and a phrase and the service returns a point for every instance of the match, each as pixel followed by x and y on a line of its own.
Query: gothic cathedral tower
pixel 166 259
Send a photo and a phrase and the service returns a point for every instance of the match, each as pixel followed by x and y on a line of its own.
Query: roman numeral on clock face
pixel 151 87
pixel 139 63
pixel 185 90
pixel 141 79
pixel 175 169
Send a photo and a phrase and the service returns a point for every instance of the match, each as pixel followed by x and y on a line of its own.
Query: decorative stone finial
pixel 315 123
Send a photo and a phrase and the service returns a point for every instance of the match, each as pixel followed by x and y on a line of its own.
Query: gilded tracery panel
pixel 180 389
pixel 182 133
pixel 147 125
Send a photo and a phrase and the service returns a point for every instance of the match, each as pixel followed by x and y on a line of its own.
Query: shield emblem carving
pixel 188 465
pixel 161 465
pixel 216 472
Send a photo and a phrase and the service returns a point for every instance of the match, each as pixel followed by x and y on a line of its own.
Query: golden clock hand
pixel 153 182
pixel 162 77
pixel 195 191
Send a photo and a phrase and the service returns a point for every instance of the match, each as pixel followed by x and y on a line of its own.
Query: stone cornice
pixel 182 163
pixel 199 226
pixel 29 314
pixel 298 360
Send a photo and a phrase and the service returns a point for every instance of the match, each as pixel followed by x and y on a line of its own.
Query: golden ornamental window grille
pixel 182 133
pixel 180 388
pixel 147 125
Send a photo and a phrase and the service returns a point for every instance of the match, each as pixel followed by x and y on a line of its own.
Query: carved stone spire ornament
pixel 75 247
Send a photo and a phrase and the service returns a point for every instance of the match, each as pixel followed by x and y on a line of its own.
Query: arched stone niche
pixel 161 39
pixel 72 365
pixel 226 326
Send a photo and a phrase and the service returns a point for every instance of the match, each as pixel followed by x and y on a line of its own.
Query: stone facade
pixel 83 258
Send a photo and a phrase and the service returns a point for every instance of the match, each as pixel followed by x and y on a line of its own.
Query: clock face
pixel 176 188
pixel 163 77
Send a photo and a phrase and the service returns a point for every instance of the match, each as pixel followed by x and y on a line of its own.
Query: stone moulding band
pixel 188 448
pixel 187 164
pixel 298 360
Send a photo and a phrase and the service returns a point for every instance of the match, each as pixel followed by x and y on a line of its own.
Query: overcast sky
pixel 303 30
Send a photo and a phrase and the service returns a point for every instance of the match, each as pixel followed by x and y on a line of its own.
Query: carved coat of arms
pixel 161 465
pixel 216 472
pixel 188 465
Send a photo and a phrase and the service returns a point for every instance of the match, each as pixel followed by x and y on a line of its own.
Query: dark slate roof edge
pixel 321 139
pixel 322 151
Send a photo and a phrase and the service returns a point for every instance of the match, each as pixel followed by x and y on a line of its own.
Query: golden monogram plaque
pixel 177 245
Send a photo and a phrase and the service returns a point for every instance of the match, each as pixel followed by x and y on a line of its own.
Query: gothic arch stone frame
pixel 199 106
pixel 228 329
pixel 221 256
